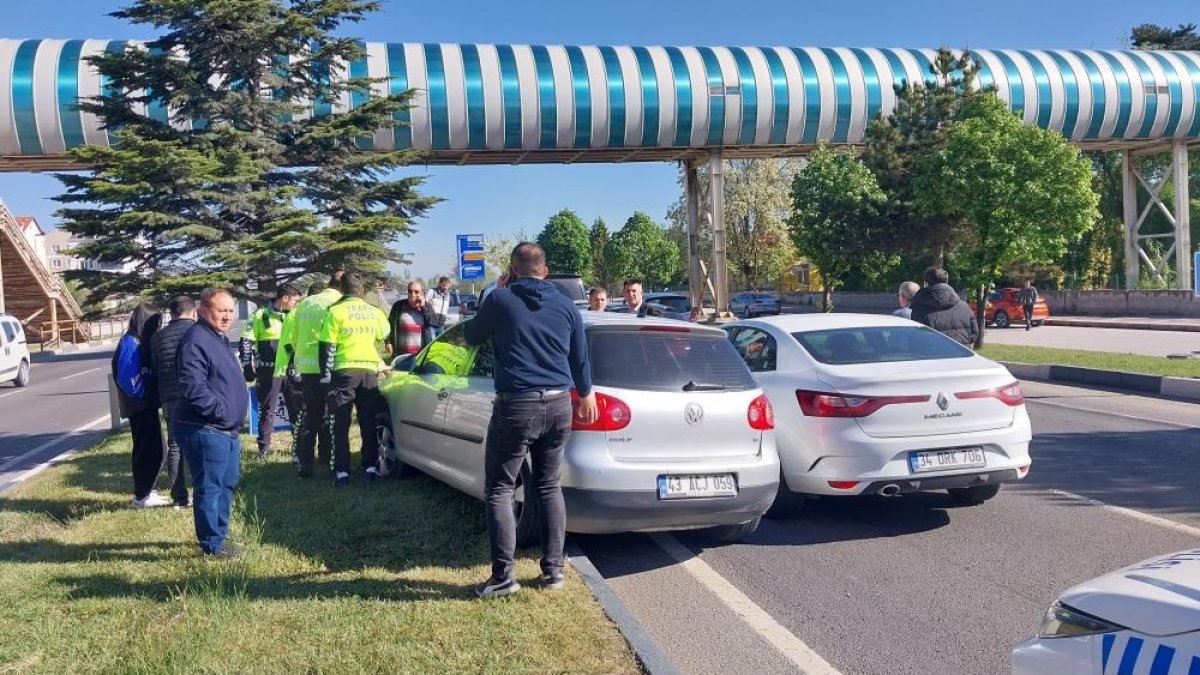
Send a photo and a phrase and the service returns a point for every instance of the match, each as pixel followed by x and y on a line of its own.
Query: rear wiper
pixel 702 386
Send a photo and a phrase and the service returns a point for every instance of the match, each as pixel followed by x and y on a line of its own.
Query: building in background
pixel 59 244
pixel 34 234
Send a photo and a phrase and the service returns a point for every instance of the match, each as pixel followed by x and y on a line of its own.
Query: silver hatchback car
pixel 685 438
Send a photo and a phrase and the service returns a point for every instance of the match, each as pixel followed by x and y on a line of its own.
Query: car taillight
pixel 822 404
pixel 760 415
pixel 613 413
pixel 1009 394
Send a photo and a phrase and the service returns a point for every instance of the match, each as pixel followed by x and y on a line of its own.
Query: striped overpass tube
pixel 487 103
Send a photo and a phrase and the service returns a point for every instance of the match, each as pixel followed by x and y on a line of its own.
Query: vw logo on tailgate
pixel 693 414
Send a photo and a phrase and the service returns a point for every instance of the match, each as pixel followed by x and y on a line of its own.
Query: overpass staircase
pixel 33 294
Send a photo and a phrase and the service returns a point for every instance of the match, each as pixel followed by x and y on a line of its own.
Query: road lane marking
pixel 1130 513
pixel 790 646
pixel 91 370
pixel 1107 413
pixel 11 393
pixel 55 441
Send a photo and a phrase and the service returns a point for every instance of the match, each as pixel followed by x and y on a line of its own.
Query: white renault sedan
pixel 685 438
pixel 868 404
pixel 1141 619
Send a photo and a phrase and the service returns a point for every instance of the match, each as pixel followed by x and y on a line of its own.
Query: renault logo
pixel 693 414
pixel 942 401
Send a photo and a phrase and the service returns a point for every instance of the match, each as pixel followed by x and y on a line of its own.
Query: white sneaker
pixel 153 499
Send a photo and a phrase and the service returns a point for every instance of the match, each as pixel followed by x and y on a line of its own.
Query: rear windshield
pixel 673 303
pixel 662 361
pixel 879 344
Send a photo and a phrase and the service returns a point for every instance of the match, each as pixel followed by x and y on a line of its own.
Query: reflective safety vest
pixel 262 332
pixel 310 314
pixel 287 336
pixel 355 328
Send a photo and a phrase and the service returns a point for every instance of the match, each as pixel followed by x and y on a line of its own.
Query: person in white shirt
pixel 437 308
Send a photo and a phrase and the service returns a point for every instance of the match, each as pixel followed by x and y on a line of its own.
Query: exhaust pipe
pixel 889 490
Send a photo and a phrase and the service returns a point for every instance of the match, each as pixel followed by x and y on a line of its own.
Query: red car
pixel 1003 309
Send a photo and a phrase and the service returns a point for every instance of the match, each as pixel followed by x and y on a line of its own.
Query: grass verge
pixel 1129 363
pixel 375 578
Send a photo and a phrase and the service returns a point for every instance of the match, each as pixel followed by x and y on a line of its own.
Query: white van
pixel 14 353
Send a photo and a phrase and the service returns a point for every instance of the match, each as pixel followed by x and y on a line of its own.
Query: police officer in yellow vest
pixel 262 335
pixel 303 344
pixel 350 339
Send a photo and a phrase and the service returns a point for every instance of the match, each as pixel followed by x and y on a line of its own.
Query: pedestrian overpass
pixel 513 104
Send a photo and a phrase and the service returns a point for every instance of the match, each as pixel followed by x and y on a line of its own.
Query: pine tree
pixel 243 185
pixel 601 275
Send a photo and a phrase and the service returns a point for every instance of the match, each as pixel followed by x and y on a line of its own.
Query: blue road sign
pixel 470 256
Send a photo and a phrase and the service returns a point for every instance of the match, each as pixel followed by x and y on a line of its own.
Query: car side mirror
pixel 404 363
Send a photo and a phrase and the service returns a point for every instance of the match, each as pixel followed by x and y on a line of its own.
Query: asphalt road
pixel 918 584
pixel 64 407
pixel 1124 341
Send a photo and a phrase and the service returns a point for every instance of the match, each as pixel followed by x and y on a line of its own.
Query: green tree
pixel 1030 193
pixel 835 201
pixel 758 202
pixel 565 241
pixel 1151 36
pixel 641 249
pixel 896 145
pixel 601 275
pixel 240 183
pixel 497 251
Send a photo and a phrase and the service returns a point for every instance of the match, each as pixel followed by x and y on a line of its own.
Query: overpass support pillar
pixel 695 271
pixel 720 268
pixel 1178 215
pixel 1129 201
pixel 1183 216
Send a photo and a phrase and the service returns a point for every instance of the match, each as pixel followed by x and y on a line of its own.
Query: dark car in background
pixel 570 285
pixel 750 305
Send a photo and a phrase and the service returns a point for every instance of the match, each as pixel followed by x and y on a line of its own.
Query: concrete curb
pixel 1175 387
pixel 651 657
pixel 1126 325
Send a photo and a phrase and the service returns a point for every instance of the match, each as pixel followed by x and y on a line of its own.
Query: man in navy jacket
pixel 540 354
pixel 208 415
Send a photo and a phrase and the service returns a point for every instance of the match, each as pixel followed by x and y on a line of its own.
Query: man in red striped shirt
pixel 408 322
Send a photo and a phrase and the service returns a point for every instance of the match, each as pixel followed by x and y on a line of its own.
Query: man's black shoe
pixel 494 588
pixel 263 453
pixel 304 473
pixel 553 580
pixel 226 552
pixel 371 474
pixel 341 479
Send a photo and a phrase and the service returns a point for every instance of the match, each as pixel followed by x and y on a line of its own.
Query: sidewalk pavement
pixel 1191 325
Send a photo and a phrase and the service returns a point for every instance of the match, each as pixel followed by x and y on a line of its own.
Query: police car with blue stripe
pixel 1141 620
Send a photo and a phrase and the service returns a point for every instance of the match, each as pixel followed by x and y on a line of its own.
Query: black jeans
pixel 538 427
pixel 174 463
pixel 314 424
pixel 267 387
pixel 1028 311
pixel 358 389
pixel 148 450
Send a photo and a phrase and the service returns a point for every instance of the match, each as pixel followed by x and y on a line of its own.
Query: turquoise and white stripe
pixel 557 103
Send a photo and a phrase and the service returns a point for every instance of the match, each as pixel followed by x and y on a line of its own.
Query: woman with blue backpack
pixel 138 397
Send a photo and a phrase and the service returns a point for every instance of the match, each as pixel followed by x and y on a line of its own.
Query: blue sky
pixel 499 200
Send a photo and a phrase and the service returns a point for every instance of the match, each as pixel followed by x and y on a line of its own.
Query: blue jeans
pixel 214 459
pixel 434 332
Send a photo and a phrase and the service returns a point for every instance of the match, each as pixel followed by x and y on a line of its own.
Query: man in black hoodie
pixel 540 354
pixel 940 308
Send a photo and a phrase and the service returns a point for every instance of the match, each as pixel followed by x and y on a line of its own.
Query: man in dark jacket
pixel 540 354
pixel 208 414
pixel 163 351
pixel 940 308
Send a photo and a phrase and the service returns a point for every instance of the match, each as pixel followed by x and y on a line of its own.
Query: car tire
pixel 787 504
pixel 22 378
pixel 1000 318
pixel 388 464
pixel 974 496
pixel 526 510
pixel 728 534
